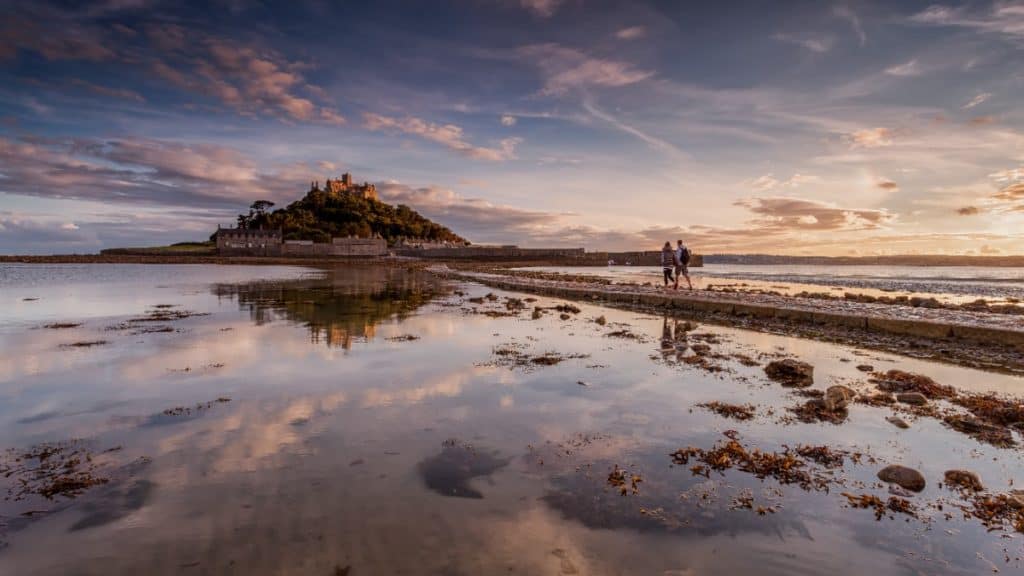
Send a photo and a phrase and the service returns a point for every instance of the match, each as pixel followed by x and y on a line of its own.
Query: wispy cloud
pixel 652 141
pixel 909 68
pixel 542 8
pixel 567 69
pixel 979 99
pixel 870 138
pixel 843 11
pixel 770 182
pixel 631 33
pixel 816 45
pixel 448 135
pixel 1005 19
pixel 508 120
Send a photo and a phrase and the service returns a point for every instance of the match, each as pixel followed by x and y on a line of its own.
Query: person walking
pixel 682 262
pixel 668 260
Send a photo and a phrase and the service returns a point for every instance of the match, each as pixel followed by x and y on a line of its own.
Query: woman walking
pixel 668 262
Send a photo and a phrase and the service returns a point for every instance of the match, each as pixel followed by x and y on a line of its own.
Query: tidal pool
pixel 358 420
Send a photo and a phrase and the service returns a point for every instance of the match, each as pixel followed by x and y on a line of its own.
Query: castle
pixel 344 185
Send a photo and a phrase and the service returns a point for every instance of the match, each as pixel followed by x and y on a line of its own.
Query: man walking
pixel 682 261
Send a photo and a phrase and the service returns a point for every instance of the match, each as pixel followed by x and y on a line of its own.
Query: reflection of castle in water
pixel 341 308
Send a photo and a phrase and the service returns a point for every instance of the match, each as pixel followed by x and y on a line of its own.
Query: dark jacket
pixel 668 258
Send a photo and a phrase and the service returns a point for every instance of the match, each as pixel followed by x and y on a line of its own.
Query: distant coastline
pixel 895 260
pixel 201 254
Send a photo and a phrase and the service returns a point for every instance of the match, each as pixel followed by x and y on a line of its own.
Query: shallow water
pixel 954 284
pixel 373 427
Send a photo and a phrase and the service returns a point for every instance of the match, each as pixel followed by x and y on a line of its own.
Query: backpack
pixel 684 256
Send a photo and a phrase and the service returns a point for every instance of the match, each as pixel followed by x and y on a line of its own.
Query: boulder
pixel 790 372
pixel 915 398
pixel 838 397
pixel 964 479
pixel 906 478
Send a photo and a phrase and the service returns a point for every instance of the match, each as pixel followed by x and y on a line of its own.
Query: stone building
pixel 345 185
pixel 243 241
pixel 246 242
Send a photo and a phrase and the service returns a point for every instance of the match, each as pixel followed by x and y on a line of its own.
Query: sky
pixel 827 128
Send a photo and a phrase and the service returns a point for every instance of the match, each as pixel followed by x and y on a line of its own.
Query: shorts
pixel 682 270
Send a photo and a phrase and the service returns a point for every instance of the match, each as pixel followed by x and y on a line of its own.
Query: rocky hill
pixel 322 215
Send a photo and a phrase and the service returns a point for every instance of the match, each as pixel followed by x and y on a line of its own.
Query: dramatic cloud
pixel 786 214
pixel 906 69
pixel 979 99
pixel 69 41
pixel 968 211
pixel 870 138
pixel 1012 193
pixel 631 33
pixel 448 135
pixel 847 14
pixel 142 171
pixel 816 45
pixel 567 69
pixel 244 78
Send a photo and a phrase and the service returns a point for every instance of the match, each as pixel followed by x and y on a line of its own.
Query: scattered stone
pixel 913 398
pixel 981 430
pixel 866 368
pixel 403 338
pixel 601 320
pixel 514 304
pixel 618 478
pixel 564 316
pixel 737 411
pixel 537 313
pixel 62 325
pixel 838 397
pixel 897 422
pixel 568 308
pixel 790 372
pixel 963 480
pixel 904 477
pixel 700 349
pixel 85 344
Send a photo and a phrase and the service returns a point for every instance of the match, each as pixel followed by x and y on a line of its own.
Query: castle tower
pixel 346 179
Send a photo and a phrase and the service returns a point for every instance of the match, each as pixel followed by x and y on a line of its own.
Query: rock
pixel 914 398
pixel 1016 499
pixel 964 479
pixel 902 476
pixel 790 372
pixel 897 422
pixel 564 316
pixel 866 368
pixel 701 349
pixel 601 320
pixel 537 313
pixel 838 397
